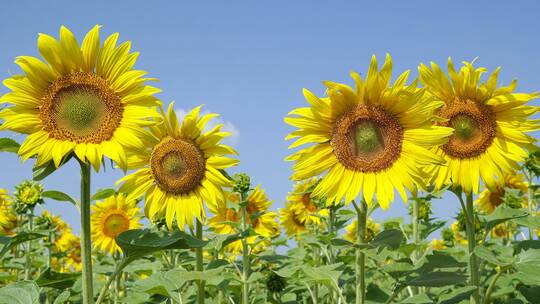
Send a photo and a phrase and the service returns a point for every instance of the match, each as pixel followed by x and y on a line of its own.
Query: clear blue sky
pixel 249 60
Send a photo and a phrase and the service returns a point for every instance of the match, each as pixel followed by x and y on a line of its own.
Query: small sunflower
pixel 179 168
pixel 437 244
pixel 84 99
pixel 490 199
pixel 69 245
pixel 490 126
pixel 504 230
pixel 374 138
pixel 304 206
pixel 264 224
pixel 459 237
pixel 53 222
pixel 372 229
pixel 111 217
pixel 290 220
pixel 8 218
pixel 28 194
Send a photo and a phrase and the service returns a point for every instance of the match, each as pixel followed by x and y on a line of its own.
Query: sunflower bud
pixel 242 183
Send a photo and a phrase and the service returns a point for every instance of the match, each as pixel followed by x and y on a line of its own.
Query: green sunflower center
pixel 367 137
pixel 475 127
pixel 174 165
pixel 81 107
pixel 79 110
pixel 177 165
pixel 465 127
pixel 115 224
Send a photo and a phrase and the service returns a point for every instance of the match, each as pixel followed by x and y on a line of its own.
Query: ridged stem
pixel 86 244
pixel 199 265
pixel 245 253
pixel 361 216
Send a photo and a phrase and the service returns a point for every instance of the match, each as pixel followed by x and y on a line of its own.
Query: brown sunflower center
pixel 177 165
pixel 114 224
pixel 367 139
pixel 81 107
pixel 306 200
pixel 474 127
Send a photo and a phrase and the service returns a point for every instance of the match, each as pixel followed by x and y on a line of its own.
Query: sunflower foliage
pixel 179 227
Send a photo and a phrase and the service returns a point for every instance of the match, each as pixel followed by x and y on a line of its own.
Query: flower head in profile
pixel 111 217
pixel 372 139
pixel 491 198
pixel 228 215
pixel 372 229
pixel 84 99
pixel 490 126
pixel 180 166
pixel 8 217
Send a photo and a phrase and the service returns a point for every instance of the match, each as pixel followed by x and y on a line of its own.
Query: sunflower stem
pixel 119 267
pixel 361 217
pixel 199 265
pixel 530 202
pixel 245 252
pixel 415 236
pixel 471 240
pixel 28 270
pixel 86 244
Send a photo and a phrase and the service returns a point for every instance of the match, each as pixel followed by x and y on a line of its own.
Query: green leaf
pixel 501 215
pixel 417 299
pixel 376 294
pixel 341 243
pixel 437 279
pixel 456 295
pixel 41 172
pixel 62 298
pixel 59 196
pixel 9 242
pixel 530 293
pixel 103 194
pixel 57 280
pixel 9 145
pixel 390 238
pixel 495 254
pixel 137 243
pixel 528 266
pixel 25 292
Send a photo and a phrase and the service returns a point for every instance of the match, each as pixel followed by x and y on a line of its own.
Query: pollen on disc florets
pixel 475 128
pixel 367 139
pixel 115 223
pixel 177 165
pixel 81 107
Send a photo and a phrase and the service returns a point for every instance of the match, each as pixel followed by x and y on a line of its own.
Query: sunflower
pixel 28 194
pixel 437 244
pixel 490 126
pixel 290 220
pixel 8 218
pixel 372 229
pixel 374 138
pixel 85 99
pixel 111 217
pixel 69 245
pixel 227 213
pixel 180 166
pixel 459 238
pixel 304 206
pixel 54 222
pixel 490 199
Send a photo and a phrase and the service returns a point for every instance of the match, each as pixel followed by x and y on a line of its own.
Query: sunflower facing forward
pixel 179 168
pixel 111 217
pixel 8 217
pixel 490 126
pixel 374 139
pixel 85 99
pixel 264 224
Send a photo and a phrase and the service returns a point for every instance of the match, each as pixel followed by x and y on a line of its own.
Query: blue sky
pixel 249 60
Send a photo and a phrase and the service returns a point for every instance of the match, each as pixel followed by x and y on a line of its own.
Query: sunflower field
pixel 180 227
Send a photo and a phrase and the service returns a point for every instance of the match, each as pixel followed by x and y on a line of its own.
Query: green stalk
pixel 530 195
pixel 245 252
pixel 199 266
pixel 118 281
pixel 415 235
pixel 86 244
pixel 487 297
pixel 471 240
pixel 316 260
pixel 119 266
pixel 361 215
pixel 28 270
